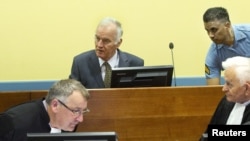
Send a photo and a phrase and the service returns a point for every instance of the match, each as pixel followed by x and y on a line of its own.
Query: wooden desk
pixel 150 114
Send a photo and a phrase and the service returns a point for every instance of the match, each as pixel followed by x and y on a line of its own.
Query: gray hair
pixel 64 88
pixel 107 21
pixel 241 65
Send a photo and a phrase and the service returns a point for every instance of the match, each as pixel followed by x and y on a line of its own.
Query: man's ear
pixel 54 104
pixel 247 88
pixel 228 24
pixel 119 43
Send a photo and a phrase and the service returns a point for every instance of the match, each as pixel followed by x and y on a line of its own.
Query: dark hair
pixel 216 13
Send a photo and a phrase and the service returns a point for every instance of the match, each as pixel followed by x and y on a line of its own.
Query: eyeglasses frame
pixel 75 112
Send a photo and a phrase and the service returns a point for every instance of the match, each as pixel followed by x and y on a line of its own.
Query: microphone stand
pixel 171 46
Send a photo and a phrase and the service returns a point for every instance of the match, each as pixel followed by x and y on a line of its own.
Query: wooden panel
pixel 38 94
pixel 152 114
pixel 9 99
pixel 142 114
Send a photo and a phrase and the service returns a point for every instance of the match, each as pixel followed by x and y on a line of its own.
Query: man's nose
pixel 210 34
pixel 80 118
pixel 224 88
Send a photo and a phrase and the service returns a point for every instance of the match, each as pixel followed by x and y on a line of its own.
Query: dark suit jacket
pixel 223 111
pixel 25 118
pixel 86 67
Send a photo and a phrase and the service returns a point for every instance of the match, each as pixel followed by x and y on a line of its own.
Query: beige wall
pixel 39 38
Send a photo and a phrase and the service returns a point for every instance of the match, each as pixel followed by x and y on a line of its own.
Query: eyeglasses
pixel 75 112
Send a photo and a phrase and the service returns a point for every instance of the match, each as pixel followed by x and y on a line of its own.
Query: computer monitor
pixel 143 76
pixel 73 136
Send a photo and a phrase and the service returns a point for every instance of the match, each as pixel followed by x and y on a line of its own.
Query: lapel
pixel 96 69
pixel 123 59
pixel 246 116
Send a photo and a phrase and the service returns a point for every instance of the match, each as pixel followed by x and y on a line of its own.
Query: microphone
pixel 171 46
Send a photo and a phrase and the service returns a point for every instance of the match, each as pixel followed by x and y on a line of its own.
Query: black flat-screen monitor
pixel 73 136
pixel 143 76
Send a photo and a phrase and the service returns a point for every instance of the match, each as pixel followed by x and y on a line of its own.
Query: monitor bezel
pixel 73 136
pixel 168 68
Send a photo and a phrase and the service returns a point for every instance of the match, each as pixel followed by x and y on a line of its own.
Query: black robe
pixel 223 111
pixel 30 117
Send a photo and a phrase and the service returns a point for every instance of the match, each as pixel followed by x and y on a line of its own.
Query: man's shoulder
pixel 30 106
pixel 24 112
pixel 85 54
pixel 129 55
pixel 242 27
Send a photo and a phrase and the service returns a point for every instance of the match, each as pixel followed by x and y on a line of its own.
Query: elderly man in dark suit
pixel 88 67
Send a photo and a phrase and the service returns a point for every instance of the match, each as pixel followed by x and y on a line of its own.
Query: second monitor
pixel 143 76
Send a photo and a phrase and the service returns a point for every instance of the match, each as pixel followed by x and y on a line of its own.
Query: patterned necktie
pixel 107 77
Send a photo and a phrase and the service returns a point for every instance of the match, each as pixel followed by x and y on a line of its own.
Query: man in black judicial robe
pixel 30 117
pixel 60 111
pixel 234 107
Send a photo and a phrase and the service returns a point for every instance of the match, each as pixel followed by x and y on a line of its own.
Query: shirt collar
pixel 238 35
pixel 113 61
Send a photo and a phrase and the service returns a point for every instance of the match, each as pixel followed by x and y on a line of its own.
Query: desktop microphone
pixel 171 46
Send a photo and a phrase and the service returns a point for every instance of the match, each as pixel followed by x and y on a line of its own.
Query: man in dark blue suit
pixel 88 67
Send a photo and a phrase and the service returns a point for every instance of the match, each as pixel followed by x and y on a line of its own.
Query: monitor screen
pixel 73 136
pixel 143 76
